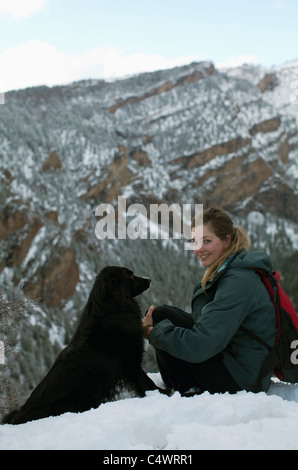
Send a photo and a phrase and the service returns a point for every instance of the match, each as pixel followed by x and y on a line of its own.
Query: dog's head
pixel 120 283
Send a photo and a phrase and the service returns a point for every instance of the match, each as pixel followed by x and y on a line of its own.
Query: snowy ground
pixel 157 422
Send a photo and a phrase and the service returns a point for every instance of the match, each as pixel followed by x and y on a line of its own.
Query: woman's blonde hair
pixel 221 224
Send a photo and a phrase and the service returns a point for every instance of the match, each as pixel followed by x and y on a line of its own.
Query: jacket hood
pixel 256 259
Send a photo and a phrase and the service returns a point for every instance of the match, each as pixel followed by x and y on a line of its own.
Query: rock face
pixel 188 135
pixel 268 82
pixel 56 282
pixel 16 226
pixel 270 125
pixel 52 162
pixel 224 148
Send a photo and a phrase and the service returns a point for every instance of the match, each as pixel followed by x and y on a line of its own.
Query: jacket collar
pixel 221 271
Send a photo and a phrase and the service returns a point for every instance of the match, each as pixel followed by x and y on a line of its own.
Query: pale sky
pixel 49 42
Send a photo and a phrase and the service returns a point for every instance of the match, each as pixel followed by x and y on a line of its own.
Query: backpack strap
pixel 272 280
pixel 252 335
pixel 274 296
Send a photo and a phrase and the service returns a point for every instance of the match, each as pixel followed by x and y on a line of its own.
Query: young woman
pixel 207 350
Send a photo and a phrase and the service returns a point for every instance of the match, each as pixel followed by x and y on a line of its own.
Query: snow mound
pixel 236 422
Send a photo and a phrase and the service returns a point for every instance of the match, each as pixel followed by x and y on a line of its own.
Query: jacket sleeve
pixel 218 322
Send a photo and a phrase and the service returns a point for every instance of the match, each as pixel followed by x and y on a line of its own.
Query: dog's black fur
pixel 106 351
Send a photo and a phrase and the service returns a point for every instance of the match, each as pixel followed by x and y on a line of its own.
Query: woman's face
pixel 211 247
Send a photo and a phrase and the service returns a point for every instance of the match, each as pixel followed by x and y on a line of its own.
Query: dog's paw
pixel 166 391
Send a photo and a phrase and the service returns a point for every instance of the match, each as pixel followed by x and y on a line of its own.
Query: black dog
pixel 105 353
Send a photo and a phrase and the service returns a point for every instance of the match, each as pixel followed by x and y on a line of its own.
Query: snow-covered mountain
pixel 189 135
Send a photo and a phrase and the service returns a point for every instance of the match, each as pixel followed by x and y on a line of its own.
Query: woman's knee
pixel 177 316
pixel 160 313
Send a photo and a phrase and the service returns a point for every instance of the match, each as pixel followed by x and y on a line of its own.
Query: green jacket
pixel 238 298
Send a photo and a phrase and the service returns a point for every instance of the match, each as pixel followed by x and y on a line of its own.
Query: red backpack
pixel 283 356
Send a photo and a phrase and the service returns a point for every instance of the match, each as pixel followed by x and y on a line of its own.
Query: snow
pixel 244 421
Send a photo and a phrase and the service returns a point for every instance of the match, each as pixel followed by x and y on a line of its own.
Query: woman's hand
pixel 148 322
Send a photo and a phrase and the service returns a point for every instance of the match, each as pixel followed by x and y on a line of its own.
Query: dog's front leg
pixel 145 384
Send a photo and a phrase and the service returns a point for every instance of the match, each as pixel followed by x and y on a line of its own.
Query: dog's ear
pixel 117 290
pixel 111 288
pixel 105 286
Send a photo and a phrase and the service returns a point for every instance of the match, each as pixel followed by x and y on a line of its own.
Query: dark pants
pixel 211 375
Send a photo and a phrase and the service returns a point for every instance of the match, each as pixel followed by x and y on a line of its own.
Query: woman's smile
pixel 211 248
